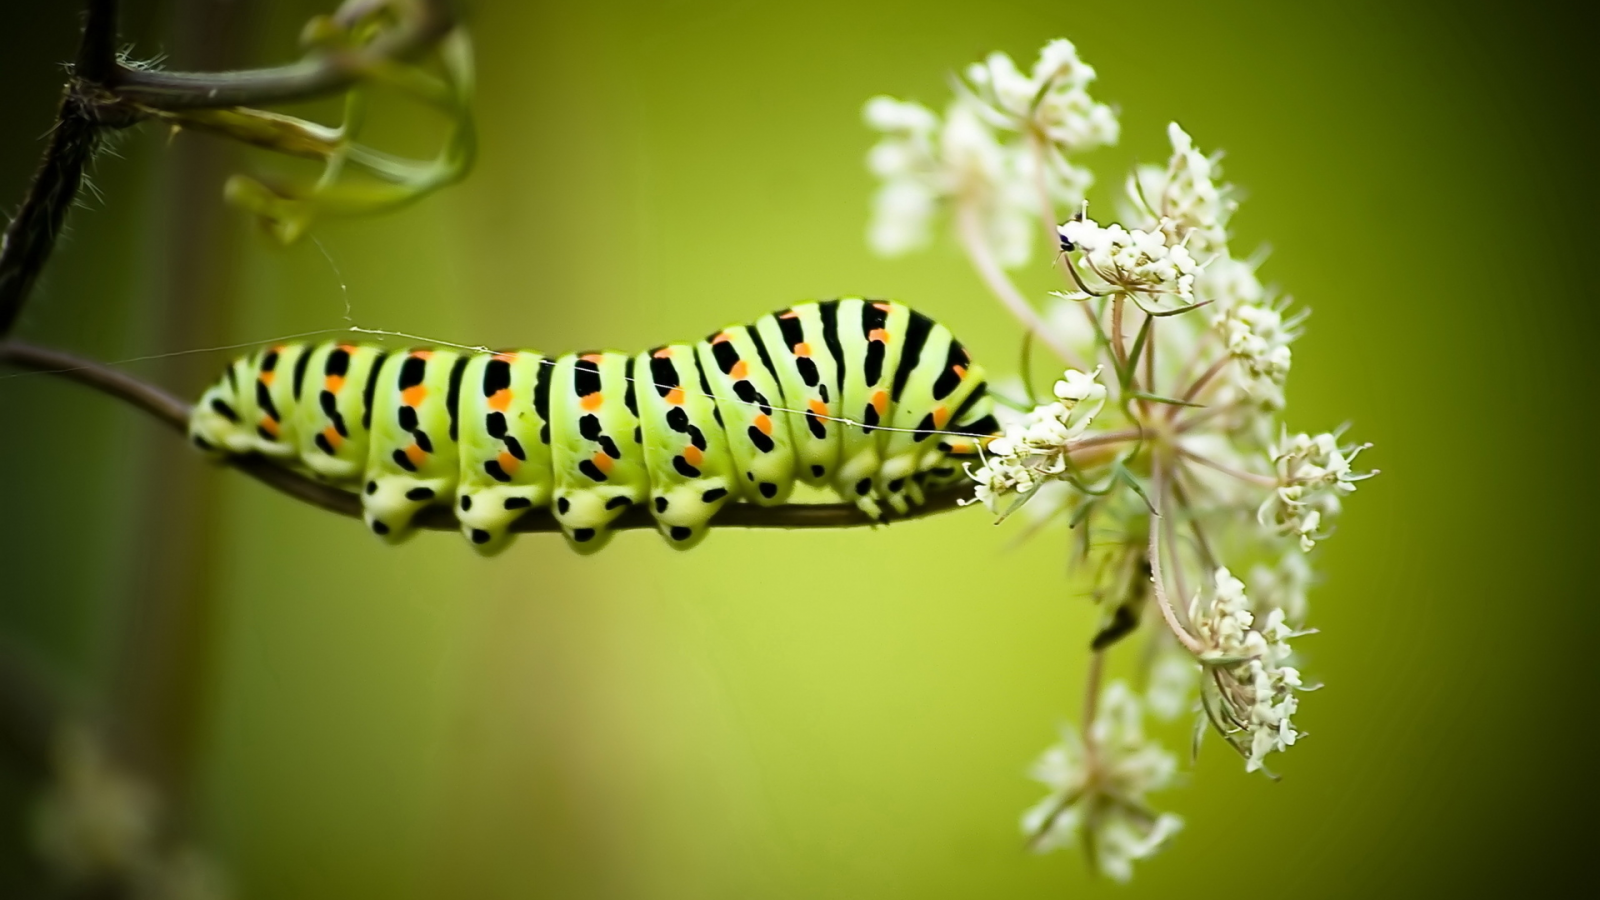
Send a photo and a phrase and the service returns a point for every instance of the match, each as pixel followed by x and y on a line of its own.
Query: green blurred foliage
pixel 843 714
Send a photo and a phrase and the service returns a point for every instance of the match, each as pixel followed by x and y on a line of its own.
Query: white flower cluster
pixel 1148 263
pixel 1035 449
pixel 1257 337
pixel 1313 474
pixel 1052 100
pixel 1187 463
pixel 1186 197
pixel 1105 795
pixel 99 826
pixel 907 161
pixel 1003 135
pixel 1255 695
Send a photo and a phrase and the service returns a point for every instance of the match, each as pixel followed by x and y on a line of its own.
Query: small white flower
pixel 1147 263
pixel 1251 694
pixel 905 158
pixel 1034 449
pixel 1108 796
pixel 1257 337
pixel 1053 101
pixel 1313 473
pixel 1184 199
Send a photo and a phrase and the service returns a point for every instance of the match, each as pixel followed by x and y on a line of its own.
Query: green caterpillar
pixel 869 398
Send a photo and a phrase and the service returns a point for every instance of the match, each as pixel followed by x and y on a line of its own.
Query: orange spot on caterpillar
pixel 506 356
pixel 500 400
pixel 763 424
pixel 414 395
pixel 591 402
pixel 603 462
pixel 348 348
pixel 270 426
pixel 961 371
pixel 333 384
pixel 941 415
pixel 879 335
pixel 721 338
pixel 508 463
pixel 268 377
pixel 802 349
pixel 675 396
pixel 881 306
pixel 880 402
pixel 740 371
pixel 422 354
pixel 417 455
pixel 818 407
pixel 693 456
pixel 663 353
pixel 789 314
pixel 331 434
pixel 592 357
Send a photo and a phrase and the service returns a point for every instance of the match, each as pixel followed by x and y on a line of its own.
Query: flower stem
pixel 1168 614
pixel 971 233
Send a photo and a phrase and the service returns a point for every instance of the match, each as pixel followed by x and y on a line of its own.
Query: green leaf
pixel 1157 398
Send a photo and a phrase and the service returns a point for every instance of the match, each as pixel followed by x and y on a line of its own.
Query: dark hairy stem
pixel 31 236
pixel 104 93
pixel 175 414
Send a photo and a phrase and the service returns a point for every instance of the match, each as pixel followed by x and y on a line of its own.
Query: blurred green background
pixel 338 719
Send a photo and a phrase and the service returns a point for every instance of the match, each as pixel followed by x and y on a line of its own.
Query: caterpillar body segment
pixel 870 398
pixel 413 462
pixel 744 380
pixel 331 423
pixel 810 385
pixel 689 462
pixel 504 444
pixel 597 448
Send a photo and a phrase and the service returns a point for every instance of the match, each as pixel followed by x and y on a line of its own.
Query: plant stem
pixel 1157 576
pixel 422 24
pixel 971 233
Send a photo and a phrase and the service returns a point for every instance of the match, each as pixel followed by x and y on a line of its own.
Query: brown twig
pixel 175 414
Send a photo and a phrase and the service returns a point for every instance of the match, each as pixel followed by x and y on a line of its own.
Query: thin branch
pixel 422 24
pixel 175 414
pixel 1157 577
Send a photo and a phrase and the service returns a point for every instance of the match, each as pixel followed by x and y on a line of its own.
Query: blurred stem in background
pixel 106 827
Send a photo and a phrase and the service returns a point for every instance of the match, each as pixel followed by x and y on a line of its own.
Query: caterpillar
pixel 869 398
